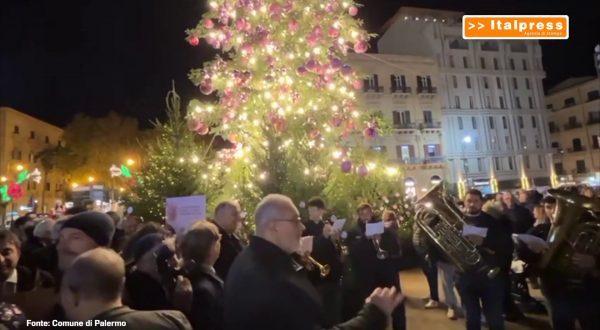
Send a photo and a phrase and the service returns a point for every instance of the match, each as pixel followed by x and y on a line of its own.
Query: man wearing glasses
pixel 266 290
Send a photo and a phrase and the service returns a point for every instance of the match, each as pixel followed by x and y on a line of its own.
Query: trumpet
pixel 381 253
pixel 324 270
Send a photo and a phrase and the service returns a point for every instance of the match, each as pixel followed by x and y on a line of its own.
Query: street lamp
pixel 3 179
pixel 74 185
pixel 130 162
pixel 20 167
pixel 90 179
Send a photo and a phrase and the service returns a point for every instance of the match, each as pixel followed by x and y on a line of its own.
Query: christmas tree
pixel 287 101
pixel 175 165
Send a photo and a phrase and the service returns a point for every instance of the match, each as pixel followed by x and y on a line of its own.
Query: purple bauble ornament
pixel 346 166
pixel 312 65
pixel 346 70
pixel 301 70
pixel 336 64
pixel 353 11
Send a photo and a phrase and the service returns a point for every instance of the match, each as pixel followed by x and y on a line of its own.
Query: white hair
pixel 271 208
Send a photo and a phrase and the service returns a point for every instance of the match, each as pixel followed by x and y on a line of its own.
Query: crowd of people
pixel 115 270
pixel 570 297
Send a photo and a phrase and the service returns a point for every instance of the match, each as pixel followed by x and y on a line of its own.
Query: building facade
pixel 402 89
pixel 574 122
pixel 494 125
pixel 21 138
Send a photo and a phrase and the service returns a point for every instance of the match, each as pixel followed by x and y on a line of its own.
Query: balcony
pixel 580 149
pixel 554 129
pixel 580 171
pixel 405 125
pixel 574 125
pixel 434 159
pixel 430 125
pixel 426 90
pixel 373 89
pixel 400 89
pixel 593 121
pixel 422 161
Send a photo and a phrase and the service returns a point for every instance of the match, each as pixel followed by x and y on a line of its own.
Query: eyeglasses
pixel 295 220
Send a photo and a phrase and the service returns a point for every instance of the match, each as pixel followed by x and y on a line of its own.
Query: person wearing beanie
pixel 83 232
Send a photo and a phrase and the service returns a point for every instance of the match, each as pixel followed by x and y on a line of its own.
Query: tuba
pixel 442 221
pixel 575 229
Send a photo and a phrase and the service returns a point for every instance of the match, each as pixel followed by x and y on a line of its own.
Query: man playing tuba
pixel 567 261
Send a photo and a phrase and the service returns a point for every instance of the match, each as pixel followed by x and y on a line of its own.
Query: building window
pixel 510 164
pixel 518 102
pixel 524 141
pixel 16 129
pixel 596 141
pixel 504 123
pixel 47 186
pixel 540 162
pixel 501 102
pixel 482 62
pixel 569 102
pixel 497 163
pixel 512 64
pixel 498 84
pixel 531 105
pixel 491 121
pixel 527 83
pixel 555 145
pixel 32 135
pixel 471 103
pixel 496 66
pixel 577 145
pixel 507 142
pixel 526 161
pixel 47 140
pixel 457 102
pixel 525 64
pixel 537 142
pixel 403 152
pixel 465 62
pixel 451 61
pixel 454 82
pixel 581 166
pixel 558 168
pixel 405 118
pixel 520 119
pixel 485 83
pixel 427 117
pixel 460 123
pixel 396 118
pixel 431 150
pixel 593 95
pixel 533 122
pixel 468 81
pixel 515 85
pixel 479 165
pixel 474 122
pixel 488 103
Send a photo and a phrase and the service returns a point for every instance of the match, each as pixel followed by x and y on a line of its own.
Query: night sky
pixel 58 58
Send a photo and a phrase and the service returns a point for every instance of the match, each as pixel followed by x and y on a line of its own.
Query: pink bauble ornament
pixel 229 114
pixel 275 9
pixel 346 166
pixel 362 171
pixel 333 32
pixel 195 124
pixel 357 84
pixel 353 11
pixel 193 40
pixel 203 130
pixel 279 124
pixel 209 24
pixel 240 24
pixel 360 47
pixel 247 49
pixel 293 25
pixel 314 134
pixel 206 87
pixel 346 70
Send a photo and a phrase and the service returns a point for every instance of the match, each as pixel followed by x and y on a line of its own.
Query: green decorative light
pixel 4 193
pixel 22 176
pixel 125 171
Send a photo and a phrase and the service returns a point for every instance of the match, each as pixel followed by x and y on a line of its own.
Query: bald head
pixel 97 275
pixel 272 208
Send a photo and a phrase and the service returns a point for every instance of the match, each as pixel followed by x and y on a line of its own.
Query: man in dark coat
pixel 367 270
pixel 520 217
pixel 228 219
pixel 92 289
pixel 200 249
pixel 266 290
pixel 476 289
